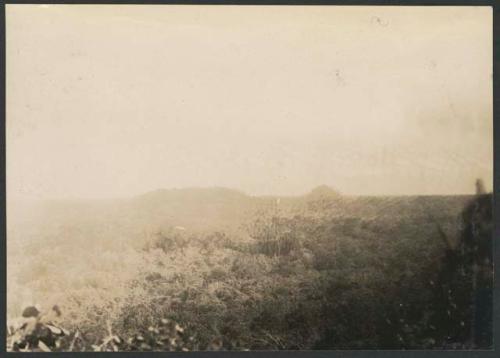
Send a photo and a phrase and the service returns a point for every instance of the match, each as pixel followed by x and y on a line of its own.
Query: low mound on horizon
pixel 323 192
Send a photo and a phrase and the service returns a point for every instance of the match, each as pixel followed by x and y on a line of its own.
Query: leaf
pixel 145 346
pixel 54 329
pixel 43 347
pixel 30 311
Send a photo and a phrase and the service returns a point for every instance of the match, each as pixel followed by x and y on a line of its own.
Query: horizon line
pixel 134 196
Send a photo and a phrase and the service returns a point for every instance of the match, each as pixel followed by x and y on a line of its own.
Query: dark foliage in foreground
pixel 418 278
pixel 39 333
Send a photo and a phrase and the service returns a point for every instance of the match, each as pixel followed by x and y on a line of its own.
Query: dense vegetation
pixel 219 270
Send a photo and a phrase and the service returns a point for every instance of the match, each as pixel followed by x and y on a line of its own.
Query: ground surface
pixel 321 271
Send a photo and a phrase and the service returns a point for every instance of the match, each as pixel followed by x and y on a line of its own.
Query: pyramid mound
pixel 323 192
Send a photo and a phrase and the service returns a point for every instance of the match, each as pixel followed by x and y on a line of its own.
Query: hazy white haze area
pixel 108 101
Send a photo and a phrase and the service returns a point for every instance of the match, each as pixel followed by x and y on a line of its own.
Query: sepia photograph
pixel 248 178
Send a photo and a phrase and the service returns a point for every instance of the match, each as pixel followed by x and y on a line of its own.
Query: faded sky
pixel 106 101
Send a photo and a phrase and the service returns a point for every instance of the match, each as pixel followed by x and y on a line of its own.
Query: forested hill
pixel 219 208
